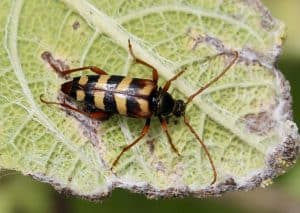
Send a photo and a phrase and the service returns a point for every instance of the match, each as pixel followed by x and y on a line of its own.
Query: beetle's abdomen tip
pixel 66 87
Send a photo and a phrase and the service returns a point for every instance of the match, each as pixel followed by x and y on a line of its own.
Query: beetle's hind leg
pixel 94 69
pixel 95 114
pixel 140 61
pixel 126 148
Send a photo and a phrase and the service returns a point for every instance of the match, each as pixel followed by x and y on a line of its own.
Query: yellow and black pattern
pixel 115 94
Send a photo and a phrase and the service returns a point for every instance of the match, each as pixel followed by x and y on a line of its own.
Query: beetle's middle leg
pixel 126 148
pixel 140 61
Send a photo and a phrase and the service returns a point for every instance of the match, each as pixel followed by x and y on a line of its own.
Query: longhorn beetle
pixel 104 95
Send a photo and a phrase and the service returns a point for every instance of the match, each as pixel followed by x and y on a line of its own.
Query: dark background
pixel 23 194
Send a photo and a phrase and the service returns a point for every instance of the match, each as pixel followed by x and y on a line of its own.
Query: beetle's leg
pixel 164 126
pixel 140 61
pixel 126 148
pixel 98 114
pixel 168 83
pixel 92 68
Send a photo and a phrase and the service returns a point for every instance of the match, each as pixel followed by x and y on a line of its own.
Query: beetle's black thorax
pixel 163 104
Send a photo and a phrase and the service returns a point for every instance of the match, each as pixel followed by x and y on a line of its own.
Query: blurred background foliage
pixel 19 194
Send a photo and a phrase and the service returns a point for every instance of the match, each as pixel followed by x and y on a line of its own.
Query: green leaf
pixel 244 118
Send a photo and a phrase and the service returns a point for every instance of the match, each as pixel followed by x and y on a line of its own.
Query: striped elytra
pixel 114 94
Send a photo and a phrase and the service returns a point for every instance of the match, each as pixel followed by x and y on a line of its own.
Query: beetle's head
pixel 179 108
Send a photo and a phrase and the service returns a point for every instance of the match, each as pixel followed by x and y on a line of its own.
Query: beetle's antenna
pixel 236 55
pixel 204 147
